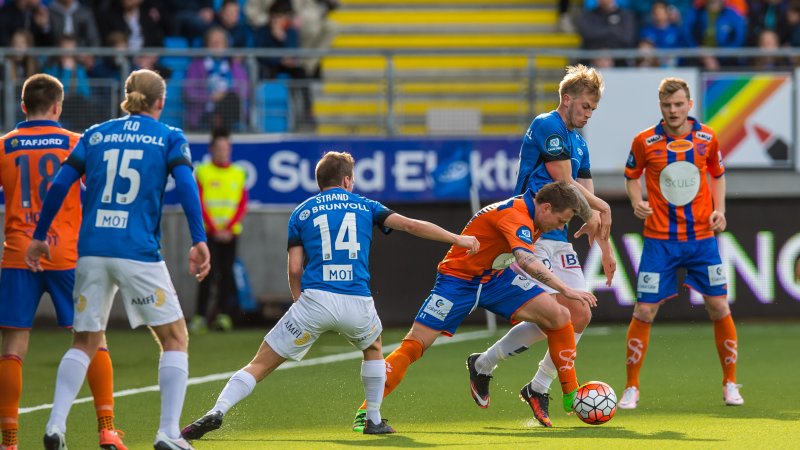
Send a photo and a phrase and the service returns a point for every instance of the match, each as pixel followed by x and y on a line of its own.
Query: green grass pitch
pixel 313 406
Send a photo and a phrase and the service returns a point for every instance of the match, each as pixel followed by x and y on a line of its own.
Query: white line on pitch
pixel 287 365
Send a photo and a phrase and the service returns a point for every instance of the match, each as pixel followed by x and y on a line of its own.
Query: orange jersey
pixel 677 186
pixel 500 228
pixel 30 156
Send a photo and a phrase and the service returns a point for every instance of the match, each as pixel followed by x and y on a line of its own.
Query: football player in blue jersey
pixel 553 150
pixel 126 163
pixel 330 235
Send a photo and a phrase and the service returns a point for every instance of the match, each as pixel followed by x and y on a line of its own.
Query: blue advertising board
pixel 387 170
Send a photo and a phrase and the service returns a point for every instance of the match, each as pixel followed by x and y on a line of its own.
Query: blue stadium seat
pixel 173 109
pixel 273 97
pixel 175 63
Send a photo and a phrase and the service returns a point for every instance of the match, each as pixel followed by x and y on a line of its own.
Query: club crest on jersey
pixel 680 146
pixel 653 139
pixel 701 149
pixel 554 145
pixel 702 135
pixel 525 235
pixel 304 214
pixel 14 143
pixel 96 138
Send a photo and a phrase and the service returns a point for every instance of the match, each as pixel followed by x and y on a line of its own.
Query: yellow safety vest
pixel 223 188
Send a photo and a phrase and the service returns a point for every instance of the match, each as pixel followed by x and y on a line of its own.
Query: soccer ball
pixel 595 403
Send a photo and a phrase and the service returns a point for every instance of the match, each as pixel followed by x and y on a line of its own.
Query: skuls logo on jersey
pixel 96 138
pixel 438 306
pixel 304 214
pixel 525 235
pixel 554 145
pixel 716 275
pixel 679 182
pixel 648 282
pixel 502 261
pixel 631 161
pixel 653 139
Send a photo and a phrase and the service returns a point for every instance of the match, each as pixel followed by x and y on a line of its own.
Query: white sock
pixel 173 373
pixel 516 341
pixel 239 386
pixel 69 379
pixel 373 375
pixel 547 371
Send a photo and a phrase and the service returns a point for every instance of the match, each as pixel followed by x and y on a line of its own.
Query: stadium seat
pixel 176 63
pixel 274 99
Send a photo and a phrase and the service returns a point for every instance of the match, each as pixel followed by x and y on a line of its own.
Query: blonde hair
pixel 142 88
pixel 580 79
pixel 671 85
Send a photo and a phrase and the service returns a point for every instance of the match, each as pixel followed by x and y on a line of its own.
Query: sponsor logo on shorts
pixel 303 339
pixel 716 275
pixel 523 283
pixel 156 299
pixel 80 303
pixel 337 272
pixel 648 282
pixel 111 219
pixel 293 329
pixel 161 297
pixel 438 306
pixel 653 139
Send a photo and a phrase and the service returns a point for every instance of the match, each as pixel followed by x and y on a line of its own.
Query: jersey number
pixel 48 167
pixel 346 239
pixel 123 169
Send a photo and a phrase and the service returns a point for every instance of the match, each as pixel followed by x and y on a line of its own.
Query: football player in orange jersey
pixel 506 230
pixel 30 156
pixel 682 212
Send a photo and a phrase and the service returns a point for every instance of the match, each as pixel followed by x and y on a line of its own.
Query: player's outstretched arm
pixel 428 230
pixel 537 270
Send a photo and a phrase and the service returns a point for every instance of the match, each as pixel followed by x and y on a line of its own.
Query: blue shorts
pixel 21 290
pixel 657 279
pixel 453 299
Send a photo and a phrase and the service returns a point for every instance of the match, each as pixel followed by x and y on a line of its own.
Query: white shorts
pixel 562 261
pixel 146 288
pixel 316 312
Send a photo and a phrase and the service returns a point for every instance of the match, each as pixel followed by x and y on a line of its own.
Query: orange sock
pixel 10 392
pixel 101 382
pixel 561 343
pixel 397 364
pixel 637 339
pixel 727 347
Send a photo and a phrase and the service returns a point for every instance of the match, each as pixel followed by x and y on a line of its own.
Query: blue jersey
pixel 335 229
pixel 549 139
pixel 126 162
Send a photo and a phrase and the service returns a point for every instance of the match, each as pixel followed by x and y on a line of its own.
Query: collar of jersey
pixel 695 126
pixel 38 123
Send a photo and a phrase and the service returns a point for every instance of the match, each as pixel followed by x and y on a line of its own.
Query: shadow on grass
pixel 605 432
pixel 390 440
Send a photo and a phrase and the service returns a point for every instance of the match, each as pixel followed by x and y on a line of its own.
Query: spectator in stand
pixel 139 20
pixel 280 32
pixel 191 18
pixel 768 42
pixel 315 30
pixel 72 18
pixel 713 24
pixel 110 66
pixel 28 15
pixel 229 17
pixel 768 15
pixel 22 65
pixel 607 26
pixel 78 111
pixel 215 86
pixel 650 59
pixel 660 30
pixel 793 22
pixel 151 61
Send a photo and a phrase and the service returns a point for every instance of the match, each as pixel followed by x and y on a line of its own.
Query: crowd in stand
pixel 211 83
pixel 652 25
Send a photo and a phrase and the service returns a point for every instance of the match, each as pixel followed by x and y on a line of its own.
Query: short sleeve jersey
pixel 30 156
pixel 677 187
pixel 549 139
pixel 126 163
pixel 501 228
pixel 334 228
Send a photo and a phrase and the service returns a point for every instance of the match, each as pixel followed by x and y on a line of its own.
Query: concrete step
pixel 456 41
pixel 434 19
pixel 440 63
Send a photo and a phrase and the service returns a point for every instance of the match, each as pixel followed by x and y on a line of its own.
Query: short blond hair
pixel 671 85
pixel 580 79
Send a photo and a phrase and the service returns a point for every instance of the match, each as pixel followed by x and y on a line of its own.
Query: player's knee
pixel 558 317
pixel 580 318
